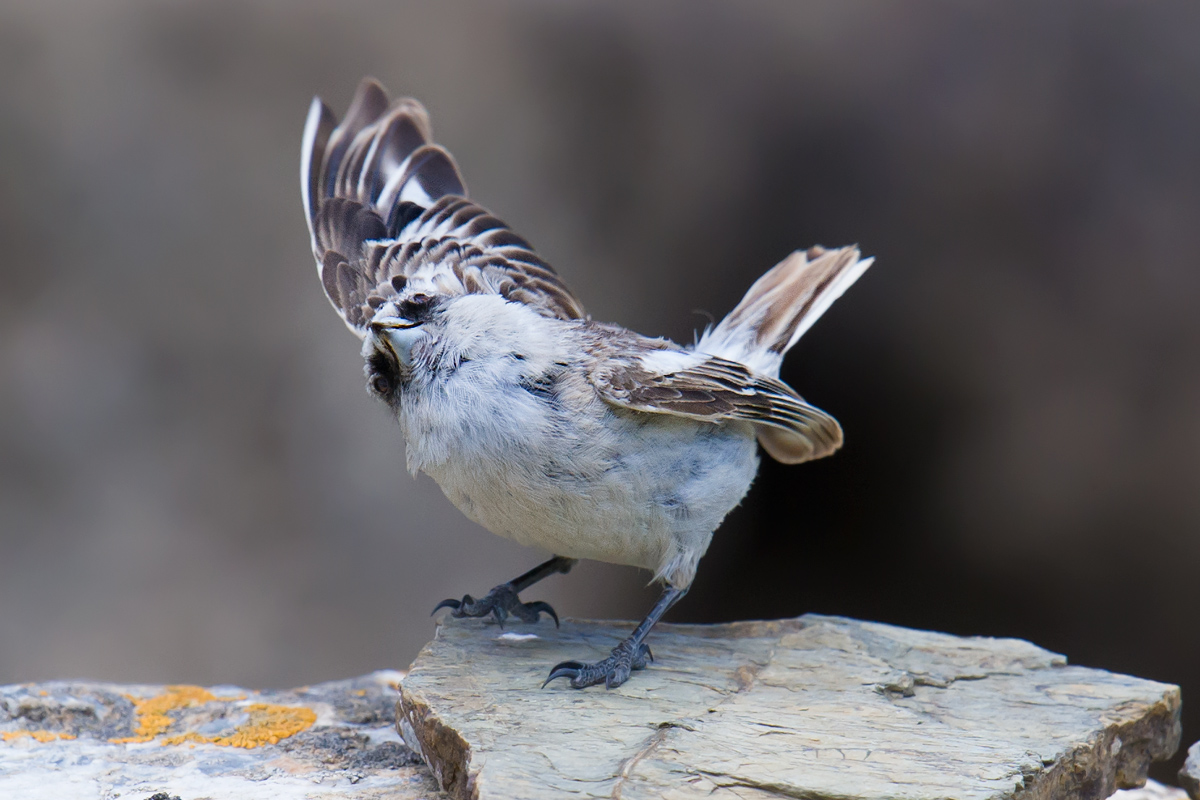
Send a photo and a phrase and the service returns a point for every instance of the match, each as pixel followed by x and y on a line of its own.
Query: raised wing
pixel 388 215
pixel 657 379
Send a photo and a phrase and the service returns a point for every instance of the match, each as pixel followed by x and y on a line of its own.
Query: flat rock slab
pixel 815 707
pixel 90 741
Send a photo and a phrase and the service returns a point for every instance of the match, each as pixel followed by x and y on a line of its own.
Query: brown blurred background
pixel 194 486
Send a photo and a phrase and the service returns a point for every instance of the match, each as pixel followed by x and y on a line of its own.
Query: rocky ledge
pixel 816 707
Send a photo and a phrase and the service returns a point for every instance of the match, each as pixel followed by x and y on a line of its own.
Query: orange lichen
pixel 268 724
pixel 152 711
pixel 37 736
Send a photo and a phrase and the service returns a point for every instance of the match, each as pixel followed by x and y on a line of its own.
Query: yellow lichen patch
pixel 37 736
pixel 152 711
pixel 268 724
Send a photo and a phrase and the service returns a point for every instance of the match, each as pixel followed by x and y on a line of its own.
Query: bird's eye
pixel 381 384
pixel 382 376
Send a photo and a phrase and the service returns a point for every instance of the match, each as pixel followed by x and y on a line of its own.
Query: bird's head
pixel 414 339
pixel 399 335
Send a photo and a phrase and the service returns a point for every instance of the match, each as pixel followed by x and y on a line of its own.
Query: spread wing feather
pixel 714 389
pixel 388 214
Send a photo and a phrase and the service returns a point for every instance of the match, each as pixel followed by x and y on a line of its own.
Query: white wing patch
pixel 662 362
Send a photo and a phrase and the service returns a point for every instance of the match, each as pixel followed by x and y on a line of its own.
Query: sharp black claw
pixel 539 606
pixel 567 669
pixel 452 604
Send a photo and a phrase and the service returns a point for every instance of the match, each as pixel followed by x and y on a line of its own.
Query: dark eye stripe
pixel 383 376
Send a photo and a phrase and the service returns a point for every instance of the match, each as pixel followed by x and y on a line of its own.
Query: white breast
pixel 519 441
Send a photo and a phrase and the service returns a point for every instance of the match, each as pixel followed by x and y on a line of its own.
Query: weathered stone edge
pixel 1189 776
pixel 440 746
pixel 1095 770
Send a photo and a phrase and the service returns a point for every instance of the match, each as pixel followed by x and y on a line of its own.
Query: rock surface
pixel 1151 791
pixel 813 707
pixel 88 741
pixel 1189 776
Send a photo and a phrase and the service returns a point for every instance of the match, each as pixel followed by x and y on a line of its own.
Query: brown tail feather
pixel 782 305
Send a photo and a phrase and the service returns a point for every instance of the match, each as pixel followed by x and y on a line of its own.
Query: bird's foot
pixel 612 671
pixel 500 602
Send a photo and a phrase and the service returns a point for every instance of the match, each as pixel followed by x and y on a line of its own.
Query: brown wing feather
pixel 718 390
pixel 385 205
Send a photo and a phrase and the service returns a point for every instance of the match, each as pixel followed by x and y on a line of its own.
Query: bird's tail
pixel 782 305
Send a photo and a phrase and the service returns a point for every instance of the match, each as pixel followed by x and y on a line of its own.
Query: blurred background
pixel 195 487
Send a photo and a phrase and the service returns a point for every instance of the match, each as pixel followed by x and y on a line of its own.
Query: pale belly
pixel 622 487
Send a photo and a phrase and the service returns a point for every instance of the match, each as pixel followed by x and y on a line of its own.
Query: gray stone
pixel 1153 790
pixel 814 707
pixel 1189 776
pixel 89 741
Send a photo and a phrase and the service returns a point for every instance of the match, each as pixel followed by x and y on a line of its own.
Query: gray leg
pixel 630 654
pixel 502 600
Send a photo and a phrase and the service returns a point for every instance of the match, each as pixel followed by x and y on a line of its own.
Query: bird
pixel 539 423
